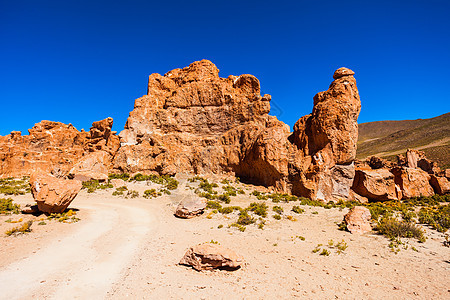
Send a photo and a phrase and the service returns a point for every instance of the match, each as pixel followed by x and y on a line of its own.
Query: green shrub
pixel 123 176
pixel 64 217
pixel 297 209
pixel 277 209
pixel 245 218
pixel 277 217
pixel 224 198
pixel 393 228
pixel 24 228
pixel 259 209
pixel 93 185
pixel 11 186
pixel 8 207
pixel 132 194
pixel 438 218
pixel 213 205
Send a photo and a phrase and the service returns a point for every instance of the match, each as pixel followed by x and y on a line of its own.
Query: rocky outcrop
pixel 413 182
pixel 376 185
pixel 95 165
pixel 193 121
pixel 54 146
pixel 441 185
pixel 53 195
pixel 211 256
pixel 358 220
pixel 190 207
pixel 417 159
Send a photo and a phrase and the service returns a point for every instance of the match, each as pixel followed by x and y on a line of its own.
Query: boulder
pixel 211 256
pixel 376 185
pixel 190 207
pixel 53 195
pixel 412 182
pixel 358 220
pixel 441 185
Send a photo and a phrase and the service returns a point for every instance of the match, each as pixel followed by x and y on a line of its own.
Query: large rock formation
pixel 53 195
pixel 191 120
pixel 54 146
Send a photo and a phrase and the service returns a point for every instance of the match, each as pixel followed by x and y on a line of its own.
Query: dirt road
pixel 86 263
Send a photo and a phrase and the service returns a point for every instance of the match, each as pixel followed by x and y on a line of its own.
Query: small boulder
pixel 358 220
pixel 190 207
pixel 211 256
pixel 53 195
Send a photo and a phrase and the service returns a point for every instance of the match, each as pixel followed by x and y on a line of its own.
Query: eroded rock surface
pixel 190 207
pixel 53 195
pixel 211 256
pixel 193 121
pixel 358 220
pixel 54 146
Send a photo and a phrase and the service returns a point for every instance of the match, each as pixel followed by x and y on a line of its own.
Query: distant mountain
pixel 389 138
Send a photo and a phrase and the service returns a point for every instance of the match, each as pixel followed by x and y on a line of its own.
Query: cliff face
pixel 193 121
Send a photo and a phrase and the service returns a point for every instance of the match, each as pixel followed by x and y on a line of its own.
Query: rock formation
pixel 54 146
pixel 193 121
pixel 211 256
pixel 53 195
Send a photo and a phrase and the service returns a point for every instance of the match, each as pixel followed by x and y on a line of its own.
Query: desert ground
pixel 130 248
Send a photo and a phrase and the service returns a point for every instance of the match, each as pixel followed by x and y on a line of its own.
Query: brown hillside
pixel 389 138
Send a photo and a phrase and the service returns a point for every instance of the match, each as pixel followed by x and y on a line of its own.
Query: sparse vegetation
pixel 65 217
pixel 21 229
pixel 297 209
pixel 339 248
pixel 277 217
pixel 93 185
pixel 132 194
pixel 277 209
pixel 259 209
pixel 120 191
pixel 393 228
pixel 152 193
pixel 12 186
pixel 8 207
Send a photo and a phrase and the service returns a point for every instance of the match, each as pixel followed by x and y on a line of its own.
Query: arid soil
pixel 130 248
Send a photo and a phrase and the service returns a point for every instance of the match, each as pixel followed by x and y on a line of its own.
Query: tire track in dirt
pixel 85 264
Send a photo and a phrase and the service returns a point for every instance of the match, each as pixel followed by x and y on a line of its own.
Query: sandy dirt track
pixel 130 249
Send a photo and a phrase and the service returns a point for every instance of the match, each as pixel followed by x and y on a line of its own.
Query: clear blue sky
pixel 82 61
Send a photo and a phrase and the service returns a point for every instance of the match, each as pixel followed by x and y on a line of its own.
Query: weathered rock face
pixel 417 159
pixel 358 220
pixel 376 185
pixel 441 185
pixel 211 256
pixel 193 121
pixel 94 165
pixel 190 207
pixel 53 145
pixel 413 182
pixel 53 195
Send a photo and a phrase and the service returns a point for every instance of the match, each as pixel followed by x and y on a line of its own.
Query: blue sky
pixel 81 61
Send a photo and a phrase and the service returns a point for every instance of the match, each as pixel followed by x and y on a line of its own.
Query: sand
pixel 130 248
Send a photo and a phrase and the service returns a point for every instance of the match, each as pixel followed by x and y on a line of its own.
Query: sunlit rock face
pixel 193 121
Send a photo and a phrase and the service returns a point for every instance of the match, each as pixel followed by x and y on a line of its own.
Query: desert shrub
pixel 64 217
pixel 259 209
pixel 151 193
pixel 297 209
pixel 245 218
pixel 277 217
pixel 120 191
pixel 276 197
pixel 93 185
pixel 438 218
pixel 220 226
pixel 207 187
pixel 238 226
pixel 213 205
pixel 11 186
pixel 315 212
pixel 277 209
pixel 21 229
pixel 166 191
pixel 230 191
pixel 8 207
pixel 224 198
pixel 123 176
pixel 393 228
pixel 241 191
pixel 132 194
